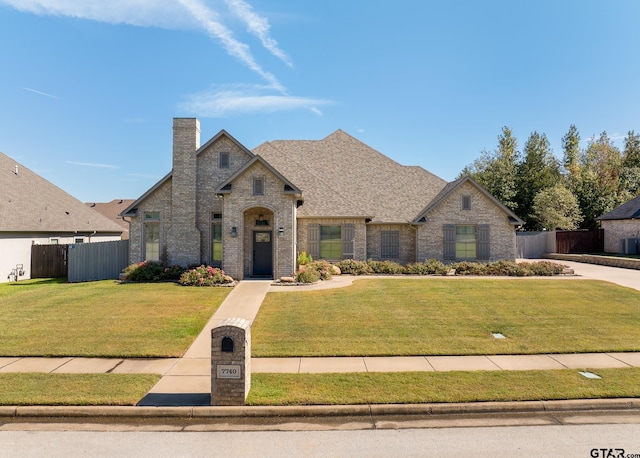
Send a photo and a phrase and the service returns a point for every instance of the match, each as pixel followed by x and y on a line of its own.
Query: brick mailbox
pixel 230 362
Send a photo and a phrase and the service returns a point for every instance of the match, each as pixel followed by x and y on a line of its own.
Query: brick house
pixel 622 228
pixel 252 212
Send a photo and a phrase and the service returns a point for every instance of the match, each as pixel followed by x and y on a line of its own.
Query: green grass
pixel 102 319
pixel 74 389
pixel 449 316
pixel 427 387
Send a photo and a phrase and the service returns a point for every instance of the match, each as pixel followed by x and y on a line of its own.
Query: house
pixel 112 211
pixel 622 228
pixel 252 212
pixel 34 211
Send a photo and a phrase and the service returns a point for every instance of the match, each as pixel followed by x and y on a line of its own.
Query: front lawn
pixel 103 318
pixel 449 316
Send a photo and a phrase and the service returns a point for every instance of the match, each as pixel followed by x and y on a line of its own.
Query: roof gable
pixel 29 203
pixel 451 187
pixel 225 188
pixel 628 210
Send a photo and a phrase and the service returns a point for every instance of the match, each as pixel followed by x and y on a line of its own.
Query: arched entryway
pixel 259 242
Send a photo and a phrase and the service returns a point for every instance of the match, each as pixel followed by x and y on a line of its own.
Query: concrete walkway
pixel 187 380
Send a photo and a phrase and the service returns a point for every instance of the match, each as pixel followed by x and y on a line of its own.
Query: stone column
pixel 230 362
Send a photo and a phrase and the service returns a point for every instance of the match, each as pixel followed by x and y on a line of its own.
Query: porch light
pixel 281 232
pixel 234 231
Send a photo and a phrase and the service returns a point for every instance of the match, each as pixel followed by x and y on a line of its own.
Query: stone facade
pixel 230 362
pixel 430 238
pixel 616 230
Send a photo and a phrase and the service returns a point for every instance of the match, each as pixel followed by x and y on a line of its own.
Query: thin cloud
pixel 242 99
pixel 259 26
pixel 39 92
pixel 91 164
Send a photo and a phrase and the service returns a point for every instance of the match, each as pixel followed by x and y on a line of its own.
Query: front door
pixel 262 254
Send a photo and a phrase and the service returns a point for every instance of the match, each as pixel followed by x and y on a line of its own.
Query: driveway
pixel 624 277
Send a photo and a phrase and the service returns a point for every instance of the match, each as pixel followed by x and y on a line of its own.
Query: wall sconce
pixel 281 232
pixel 234 231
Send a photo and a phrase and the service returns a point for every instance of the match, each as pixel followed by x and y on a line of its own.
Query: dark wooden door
pixel 263 253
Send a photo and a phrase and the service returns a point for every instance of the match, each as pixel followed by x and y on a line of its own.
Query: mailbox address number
pixel 228 371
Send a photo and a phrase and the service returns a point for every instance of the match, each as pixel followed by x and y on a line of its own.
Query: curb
pixel 366 410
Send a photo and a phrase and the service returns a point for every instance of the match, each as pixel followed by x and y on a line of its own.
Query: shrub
pixel 304 258
pixel 508 268
pixel 203 276
pixel 149 271
pixel 307 276
pixel 353 267
pixel 544 268
pixel 322 267
pixel 469 268
pixel 386 267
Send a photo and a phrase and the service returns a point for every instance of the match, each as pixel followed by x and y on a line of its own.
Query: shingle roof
pixel 341 176
pixel 628 210
pixel 29 203
pixel 112 211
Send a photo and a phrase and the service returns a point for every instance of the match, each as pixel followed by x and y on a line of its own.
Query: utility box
pixel 230 362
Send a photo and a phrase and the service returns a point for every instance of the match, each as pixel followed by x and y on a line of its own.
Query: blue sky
pixel 88 88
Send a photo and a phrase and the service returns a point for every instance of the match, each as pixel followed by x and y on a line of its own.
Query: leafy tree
pixel 631 153
pixel 557 207
pixel 497 171
pixel 539 170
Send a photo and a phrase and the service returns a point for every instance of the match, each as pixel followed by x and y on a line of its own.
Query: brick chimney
pixel 183 241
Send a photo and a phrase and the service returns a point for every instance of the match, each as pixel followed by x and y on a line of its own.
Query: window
pixel 390 244
pixel 330 242
pixel 216 238
pixel 152 236
pixel 466 202
pixel 78 240
pixel 466 242
pixel 258 187
pixel 224 160
pixel 54 241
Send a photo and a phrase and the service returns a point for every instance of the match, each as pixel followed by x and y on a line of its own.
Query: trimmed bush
pixel 353 267
pixel 469 268
pixel 307 276
pixel 322 267
pixel 149 271
pixel 204 276
pixel 545 268
pixel 386 267
pixel 429 267
pixel 507 268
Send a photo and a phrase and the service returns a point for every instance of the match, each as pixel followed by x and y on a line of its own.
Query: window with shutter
pixel 348 236
pixel 390 244
pixel 449 241
pixel 484 241
pixel 313 240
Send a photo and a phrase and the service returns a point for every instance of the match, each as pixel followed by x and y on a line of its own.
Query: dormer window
pixel 224 160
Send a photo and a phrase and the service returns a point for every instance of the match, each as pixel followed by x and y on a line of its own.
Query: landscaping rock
pixel 287 280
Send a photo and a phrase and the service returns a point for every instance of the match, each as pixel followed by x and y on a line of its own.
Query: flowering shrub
pixel 322 267
pixel 204 276
pixel 149 271
pixel 429 267
pixel 307 276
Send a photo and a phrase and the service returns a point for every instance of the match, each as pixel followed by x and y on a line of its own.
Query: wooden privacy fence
pixel 48 261
pixel 80 261
pixel 97 261
pixel 575 242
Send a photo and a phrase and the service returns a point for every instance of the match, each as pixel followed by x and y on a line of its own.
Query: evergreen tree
pixel 571 156
pixel 631 153
pixel 539 170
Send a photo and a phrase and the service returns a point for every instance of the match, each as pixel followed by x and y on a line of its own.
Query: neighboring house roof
pixel 29 203
pixel 112 211
pixel 342 177
pixel 450 187
pixel 628 210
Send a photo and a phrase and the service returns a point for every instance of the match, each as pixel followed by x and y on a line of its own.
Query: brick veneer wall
pixel 231 391
pixel 360 242
pixel 158 201
pixel 430 238
pixel 616 230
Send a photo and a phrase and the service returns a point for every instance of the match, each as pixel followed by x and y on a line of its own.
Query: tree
pixel 557 207
pixel 598 186
pixel 539 170
pixel 571 149
pixel 497 171
pixel 631 153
